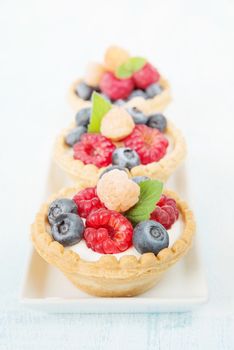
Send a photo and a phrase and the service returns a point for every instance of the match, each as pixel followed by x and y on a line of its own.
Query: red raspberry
pixel 116 88
pixel 146 76
pixel 166 212
pixel 149 143
pixel 94 149
pixel 87 201
pixel 108 232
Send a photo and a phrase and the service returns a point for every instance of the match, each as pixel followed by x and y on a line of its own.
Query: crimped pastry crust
pixel 89 174
pixel 109 276
pixel 155 104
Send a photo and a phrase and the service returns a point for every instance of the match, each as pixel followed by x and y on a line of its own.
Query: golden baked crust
pixel 109 276
pixel 89 174
pixel 155 104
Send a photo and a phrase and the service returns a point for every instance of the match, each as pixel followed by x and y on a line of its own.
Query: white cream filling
pixel 89 255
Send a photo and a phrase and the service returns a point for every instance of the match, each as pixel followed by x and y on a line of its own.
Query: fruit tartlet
pixel 122 79
pixel 116 238
pixel 106 135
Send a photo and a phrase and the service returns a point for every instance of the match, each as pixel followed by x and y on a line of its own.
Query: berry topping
pixel 68 229
pixel 116 88
pixel 117 124
pixel 166 212
pixel 117 191
pixel 150 144
pixel 61 206
pixel 146 76
pixel 87 201
pixel 114 57
pixel 150 237
pixel 137 93
pixel 139 179
pixel 83 116
pixel 137 116
pixel 93 74
pixel 112 167
pixel 74 135
pixel 108 232
pixel 125 157
pixel 94 149
pixel 84 91
pixel 157 121
pixel 153 90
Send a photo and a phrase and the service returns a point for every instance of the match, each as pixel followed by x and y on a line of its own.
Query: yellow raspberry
pixel 93 74
pixel 114 57
pixel 117 191
pixel 117 124
pixel 140 103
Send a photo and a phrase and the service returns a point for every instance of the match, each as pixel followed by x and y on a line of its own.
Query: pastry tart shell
pixel 109 276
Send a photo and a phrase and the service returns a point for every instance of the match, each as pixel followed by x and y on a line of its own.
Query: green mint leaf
pixel 129 67
pixel 125 70
pixel 150 194
pixel 100 106
pixel 137 63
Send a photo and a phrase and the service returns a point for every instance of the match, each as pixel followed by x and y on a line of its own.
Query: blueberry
pixel 84 91
pixel 61 206
pixel 137 116
pixel 74 135
pixel 112 167
pixel 119 102
pixel 153 90
pixel 125 157
pixel 150 237
pixel 137 93
pixel 68 229
pixel 83 116
pixel 157 121
pixel 138 179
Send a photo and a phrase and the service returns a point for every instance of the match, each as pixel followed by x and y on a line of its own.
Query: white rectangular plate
pixel 182 288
